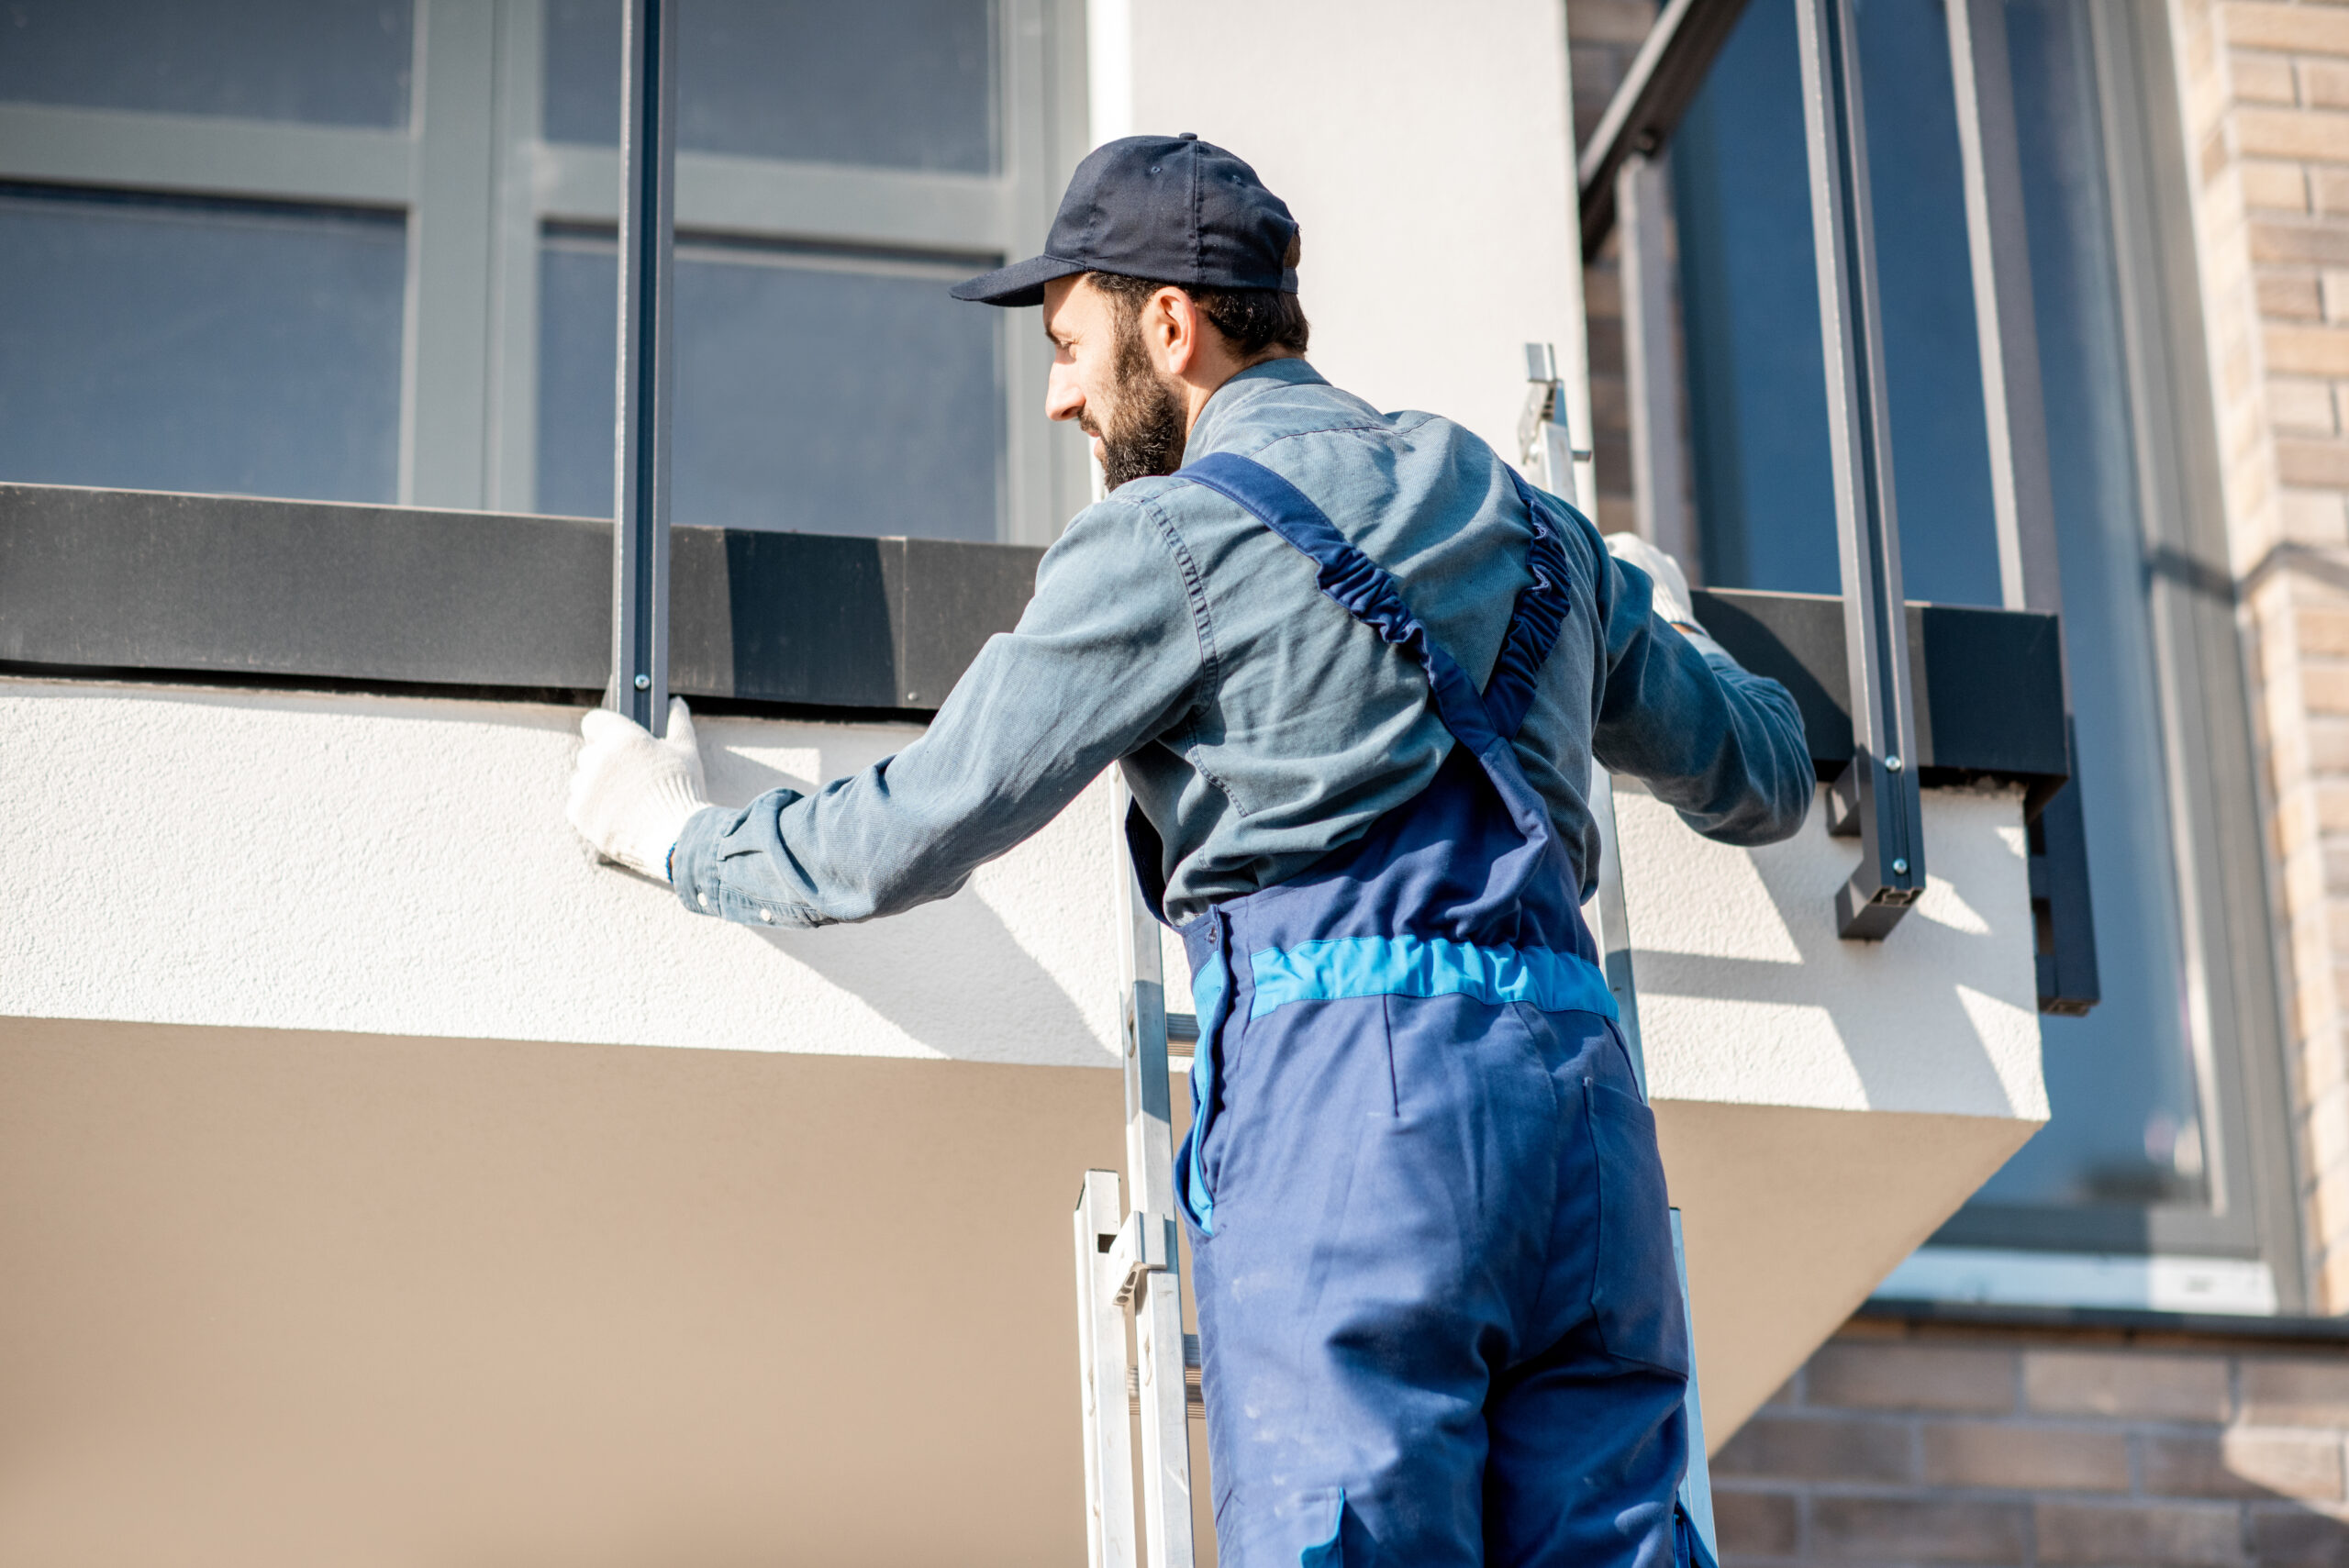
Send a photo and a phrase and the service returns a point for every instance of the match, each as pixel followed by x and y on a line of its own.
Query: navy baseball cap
pixel 1171 209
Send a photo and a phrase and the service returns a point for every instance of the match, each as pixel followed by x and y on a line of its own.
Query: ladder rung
pixel 1192 1397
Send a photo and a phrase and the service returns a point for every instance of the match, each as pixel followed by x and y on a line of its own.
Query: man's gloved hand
pixel 632 794
pixel 1671 583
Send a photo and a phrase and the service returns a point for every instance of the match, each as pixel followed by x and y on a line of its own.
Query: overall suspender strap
pixel 1366 590
pixel 1357 584
pixel 1533 630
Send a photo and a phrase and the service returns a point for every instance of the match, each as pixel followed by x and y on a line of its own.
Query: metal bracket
pixel 1146 1245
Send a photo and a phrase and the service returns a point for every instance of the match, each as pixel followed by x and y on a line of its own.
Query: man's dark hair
pixel 1251 320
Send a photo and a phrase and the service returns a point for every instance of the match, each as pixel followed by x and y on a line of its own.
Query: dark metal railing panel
pixel 640 680
pixel 1877 799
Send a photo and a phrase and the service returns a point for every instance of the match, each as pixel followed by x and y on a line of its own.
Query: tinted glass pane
pixel 893 83
pixel 1757 396
pixel 200 346
pixel 327 61
pixel 1750 295
pixel 815 394
pixel 2120 1081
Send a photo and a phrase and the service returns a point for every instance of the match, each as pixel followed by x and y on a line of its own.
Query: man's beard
pixel 1148 426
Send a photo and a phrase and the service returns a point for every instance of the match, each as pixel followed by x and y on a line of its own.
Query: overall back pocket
pixel 1636 1290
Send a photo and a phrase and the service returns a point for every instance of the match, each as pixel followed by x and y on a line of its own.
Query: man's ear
pixel 1177 329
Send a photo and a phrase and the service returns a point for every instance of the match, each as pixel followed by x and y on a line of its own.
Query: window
pixel 2155 1092
pixel 187 343
pixel 362 250
pixel 343 62
pixel 164 338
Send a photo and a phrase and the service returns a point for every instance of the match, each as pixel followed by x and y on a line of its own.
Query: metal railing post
pixel 640 686
pixel 1877 799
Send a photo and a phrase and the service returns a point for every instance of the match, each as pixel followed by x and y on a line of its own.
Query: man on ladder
pixel 1355 672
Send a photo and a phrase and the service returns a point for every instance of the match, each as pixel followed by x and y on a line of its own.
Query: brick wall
pixel 1905 1444
pixel 2265 89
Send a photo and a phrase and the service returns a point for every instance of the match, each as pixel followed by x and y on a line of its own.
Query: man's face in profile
pixel 1103 378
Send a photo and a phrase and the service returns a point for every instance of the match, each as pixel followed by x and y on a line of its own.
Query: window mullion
pixel 205 154
pixel 510 481
pixel 444 381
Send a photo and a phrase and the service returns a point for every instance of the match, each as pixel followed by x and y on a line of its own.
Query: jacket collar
pixel 1229 403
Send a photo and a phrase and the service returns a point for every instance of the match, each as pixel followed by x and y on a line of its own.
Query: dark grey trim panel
pixel 227 588
pixel 1990 696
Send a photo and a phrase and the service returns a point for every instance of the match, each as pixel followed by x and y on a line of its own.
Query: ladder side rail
pixel 1165 1421
pixel 1157 1294
pixel 1101 1354
pixel 1610 916
pixel 1697 1483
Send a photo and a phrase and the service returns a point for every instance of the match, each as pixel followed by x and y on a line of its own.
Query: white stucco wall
pixel 401 866
pixel 394 866
pixel 1424 152
pixel 1747 995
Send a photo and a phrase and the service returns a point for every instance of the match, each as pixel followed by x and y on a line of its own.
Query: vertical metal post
pixel 1651 362
pixel 640 686
pixel 2021 485
pixel 1877 799
pixel 1998 242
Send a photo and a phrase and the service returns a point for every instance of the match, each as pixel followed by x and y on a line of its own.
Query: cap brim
pixel 1022 283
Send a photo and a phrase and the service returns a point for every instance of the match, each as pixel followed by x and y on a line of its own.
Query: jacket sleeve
pixel 1723 747
pixel 1107 655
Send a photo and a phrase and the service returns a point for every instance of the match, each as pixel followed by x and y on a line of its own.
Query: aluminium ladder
pixel 1138 1367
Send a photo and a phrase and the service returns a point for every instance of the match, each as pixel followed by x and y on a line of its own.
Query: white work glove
pixel 632 794
pixel 1671 597
pixel 1671 583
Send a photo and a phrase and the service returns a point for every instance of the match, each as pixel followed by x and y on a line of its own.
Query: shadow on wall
pixel 1748 994
pixel 952 974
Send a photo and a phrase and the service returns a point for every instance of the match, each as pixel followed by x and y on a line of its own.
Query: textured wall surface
pixel 1900 1445
pixel 1748 996
pixel 402 866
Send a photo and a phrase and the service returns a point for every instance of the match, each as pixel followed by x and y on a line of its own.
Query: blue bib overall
pixel 1436 1295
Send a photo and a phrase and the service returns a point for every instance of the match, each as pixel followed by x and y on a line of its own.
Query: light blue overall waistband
pixel 1421 966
